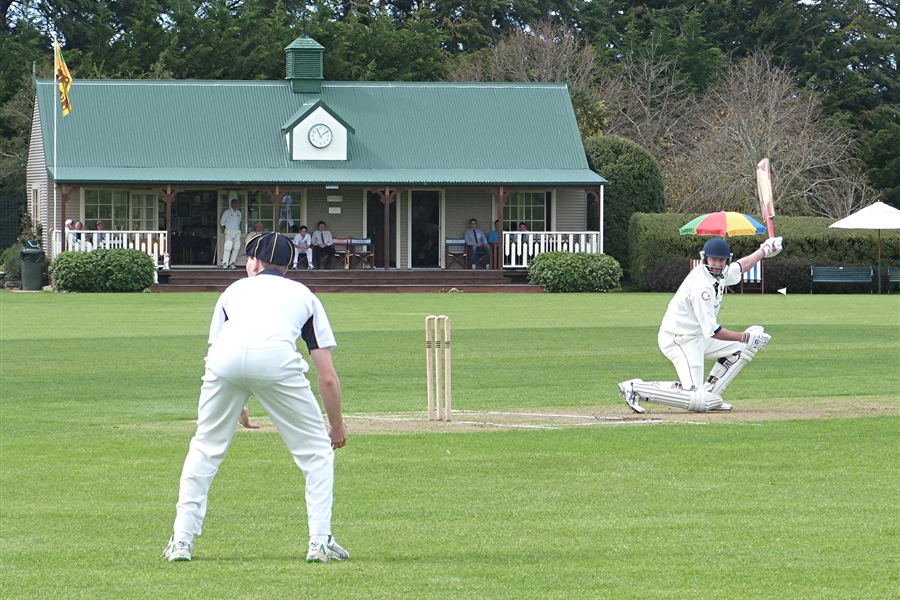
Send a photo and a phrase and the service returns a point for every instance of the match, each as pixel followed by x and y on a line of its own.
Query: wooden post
pixel 387 196
pixel 501 202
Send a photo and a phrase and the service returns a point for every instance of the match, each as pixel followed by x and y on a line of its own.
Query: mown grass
pixel 97 395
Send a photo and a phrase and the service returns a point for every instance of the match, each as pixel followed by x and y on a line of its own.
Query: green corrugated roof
pixel 141 131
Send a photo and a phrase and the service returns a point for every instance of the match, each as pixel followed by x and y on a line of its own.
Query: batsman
pixel 690 333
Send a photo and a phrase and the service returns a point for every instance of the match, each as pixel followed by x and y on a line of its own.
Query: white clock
pixel 320 135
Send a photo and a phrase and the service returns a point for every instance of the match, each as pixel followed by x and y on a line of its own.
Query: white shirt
pixel 695 307
pixel 303 240
pixel 322 237
pixel 270 308
pixel 231 219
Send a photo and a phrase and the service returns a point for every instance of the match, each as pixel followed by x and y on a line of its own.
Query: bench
pixel 893 274
pixel 840 275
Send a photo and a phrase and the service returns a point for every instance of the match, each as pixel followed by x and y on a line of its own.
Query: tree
pixel 545 53
pixel 648 99
pixel 758 112
pixel 635 185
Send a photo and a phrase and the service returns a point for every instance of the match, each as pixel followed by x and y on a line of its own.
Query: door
pixel 426 229
pixel 375 228
pixel 195 218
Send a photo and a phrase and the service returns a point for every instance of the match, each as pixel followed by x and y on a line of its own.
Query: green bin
pixel 32 268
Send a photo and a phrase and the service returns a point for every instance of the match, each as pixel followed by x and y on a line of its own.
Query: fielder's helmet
pixel 717 248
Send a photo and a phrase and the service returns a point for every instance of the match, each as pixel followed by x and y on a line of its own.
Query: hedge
pixel 103 271
pixel 656 247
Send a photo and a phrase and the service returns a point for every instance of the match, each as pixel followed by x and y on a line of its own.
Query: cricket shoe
pixel 323 552
pixel 177 551
pixel 631 398
pixel 725 406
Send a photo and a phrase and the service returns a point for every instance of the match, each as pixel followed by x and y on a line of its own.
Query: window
pixel 121 210
pixel 531 207
pixel 259 208
pixel 35 203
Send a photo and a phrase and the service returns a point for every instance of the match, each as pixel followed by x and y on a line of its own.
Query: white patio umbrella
pixel 875 216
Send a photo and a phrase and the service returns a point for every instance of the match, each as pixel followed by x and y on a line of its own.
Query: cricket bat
pixel 764 189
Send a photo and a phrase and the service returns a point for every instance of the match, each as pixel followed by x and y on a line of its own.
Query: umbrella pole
pixel 879 261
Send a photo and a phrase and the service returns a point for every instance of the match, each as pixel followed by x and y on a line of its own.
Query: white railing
pixel 154 243
pixel 518 248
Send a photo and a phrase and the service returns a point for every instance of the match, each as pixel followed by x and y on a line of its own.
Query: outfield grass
pixel 97 395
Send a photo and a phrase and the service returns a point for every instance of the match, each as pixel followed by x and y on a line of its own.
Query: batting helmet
pixel 717 248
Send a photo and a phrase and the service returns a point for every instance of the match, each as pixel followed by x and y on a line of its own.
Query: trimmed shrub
pixel 103 271
pixel 127 270
pixel 12 262
pixel 574 272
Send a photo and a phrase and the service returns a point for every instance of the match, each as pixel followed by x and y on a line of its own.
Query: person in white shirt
pixel 253 338
pixel 323 244
pixel 303 243
pixel 71 236
pixel 231 221
pixel 690 332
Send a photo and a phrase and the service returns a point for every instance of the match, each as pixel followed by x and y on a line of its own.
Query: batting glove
pixel 772 246
pixel 754 337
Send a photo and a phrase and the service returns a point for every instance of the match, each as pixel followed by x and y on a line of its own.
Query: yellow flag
pixel 65 80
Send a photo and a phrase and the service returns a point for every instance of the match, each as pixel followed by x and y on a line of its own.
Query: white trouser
pixel 232 246
pixel 274 374
pixel 308 253
pixel 687 353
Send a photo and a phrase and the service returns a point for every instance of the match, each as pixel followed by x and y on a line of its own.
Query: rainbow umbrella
pixel 724 224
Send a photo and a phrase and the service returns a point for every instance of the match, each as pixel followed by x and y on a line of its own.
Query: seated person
pixel 494 238
pixel 477 244
pixel 101 237
pixel 81 241
pixel 323 244
pixel 303 243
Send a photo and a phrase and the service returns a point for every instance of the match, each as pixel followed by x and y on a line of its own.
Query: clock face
pixel 320 135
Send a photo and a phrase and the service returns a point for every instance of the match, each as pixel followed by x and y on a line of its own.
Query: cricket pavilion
pixel 395 169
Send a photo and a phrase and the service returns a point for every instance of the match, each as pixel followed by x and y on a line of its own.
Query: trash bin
pixel 32 267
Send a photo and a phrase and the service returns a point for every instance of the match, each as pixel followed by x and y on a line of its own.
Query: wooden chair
pixel 456 253
pixel 361 255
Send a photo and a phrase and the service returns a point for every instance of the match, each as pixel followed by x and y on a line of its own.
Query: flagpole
pixel 54 103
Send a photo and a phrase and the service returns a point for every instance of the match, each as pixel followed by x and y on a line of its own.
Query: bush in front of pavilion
pixel 575 272
pixel 101 270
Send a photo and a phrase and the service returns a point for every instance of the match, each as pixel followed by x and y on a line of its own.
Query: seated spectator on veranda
pixel 303 243
pixel 477 244
pixel 323 245
pixel 100 226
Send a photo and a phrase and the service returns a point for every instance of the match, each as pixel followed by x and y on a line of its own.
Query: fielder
pixel 231 221
pixel 253 351
pixel 690 333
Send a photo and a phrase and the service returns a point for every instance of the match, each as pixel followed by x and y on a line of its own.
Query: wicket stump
pixel 436 337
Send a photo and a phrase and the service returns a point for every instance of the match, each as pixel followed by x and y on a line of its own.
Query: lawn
pixel 98 394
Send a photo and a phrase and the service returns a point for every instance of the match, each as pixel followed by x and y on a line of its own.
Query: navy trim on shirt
pixel 308 333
